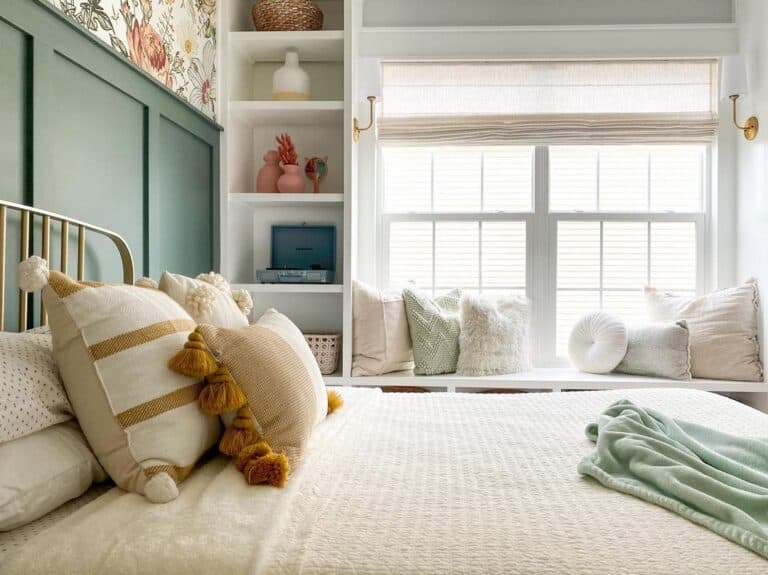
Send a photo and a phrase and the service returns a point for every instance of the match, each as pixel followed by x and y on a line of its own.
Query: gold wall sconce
pixel 356 129
pixel 751 127
pixel 733 85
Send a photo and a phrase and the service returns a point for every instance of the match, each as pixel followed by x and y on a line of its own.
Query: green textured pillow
pixel 435 328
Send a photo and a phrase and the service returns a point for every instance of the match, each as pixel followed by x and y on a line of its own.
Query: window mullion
pixel 541 273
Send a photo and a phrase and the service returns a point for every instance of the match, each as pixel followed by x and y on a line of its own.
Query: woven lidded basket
pixel 286 15
pixel 326 348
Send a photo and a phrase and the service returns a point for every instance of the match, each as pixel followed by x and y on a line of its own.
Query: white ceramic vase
pixel 290 81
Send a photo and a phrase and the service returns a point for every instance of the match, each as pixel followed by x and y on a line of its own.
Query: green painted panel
pixel 95 144
pixel 182 204
pixel 13 139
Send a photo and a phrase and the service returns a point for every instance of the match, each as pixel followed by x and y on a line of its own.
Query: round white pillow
pixel 598 342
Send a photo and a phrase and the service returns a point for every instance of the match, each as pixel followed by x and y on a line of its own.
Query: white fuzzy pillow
pixel 494 335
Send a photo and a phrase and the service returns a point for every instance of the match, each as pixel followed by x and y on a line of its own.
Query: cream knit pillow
pixel 111 344
pixel 267 373
pixel 723 329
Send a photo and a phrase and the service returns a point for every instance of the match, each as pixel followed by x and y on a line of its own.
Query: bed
pixel 409 483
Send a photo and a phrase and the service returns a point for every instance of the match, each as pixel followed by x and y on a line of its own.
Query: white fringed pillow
pixel 723 329
pixel 598 342
pixel 494 335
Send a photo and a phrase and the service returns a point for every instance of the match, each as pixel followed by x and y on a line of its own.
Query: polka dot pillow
pixel 31 394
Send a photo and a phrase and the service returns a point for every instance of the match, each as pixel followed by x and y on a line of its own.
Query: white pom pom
pixel 148 283
pixel 161 488
pixel 200 300
pixel 33 274
pixel 243 300
pixel 216 280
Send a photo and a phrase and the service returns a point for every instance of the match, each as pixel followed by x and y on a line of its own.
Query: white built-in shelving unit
pixel 318 127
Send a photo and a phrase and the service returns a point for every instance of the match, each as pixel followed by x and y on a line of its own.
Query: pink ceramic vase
pixel 270 172
pixel 292 181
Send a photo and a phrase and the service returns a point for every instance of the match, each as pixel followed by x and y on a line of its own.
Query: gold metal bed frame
pixel 27 214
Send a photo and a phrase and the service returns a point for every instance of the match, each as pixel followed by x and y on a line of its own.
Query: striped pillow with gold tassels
pixel 111 343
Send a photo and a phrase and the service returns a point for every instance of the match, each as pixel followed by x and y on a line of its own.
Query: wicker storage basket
pixel 326 348
pixel 286 15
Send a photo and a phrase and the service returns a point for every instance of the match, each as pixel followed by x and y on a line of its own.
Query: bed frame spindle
pixel 27 214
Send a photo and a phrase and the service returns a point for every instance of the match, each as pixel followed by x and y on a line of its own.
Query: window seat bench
pixel 557 380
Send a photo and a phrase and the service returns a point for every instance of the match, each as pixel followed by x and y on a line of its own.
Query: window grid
pixel 541 264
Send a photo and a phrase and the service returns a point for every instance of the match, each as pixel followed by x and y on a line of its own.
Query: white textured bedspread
pixel 431 483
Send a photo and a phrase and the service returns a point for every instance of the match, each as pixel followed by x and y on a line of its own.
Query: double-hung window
pixel 575 184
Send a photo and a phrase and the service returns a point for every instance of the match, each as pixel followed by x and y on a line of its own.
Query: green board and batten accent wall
pixel 85 133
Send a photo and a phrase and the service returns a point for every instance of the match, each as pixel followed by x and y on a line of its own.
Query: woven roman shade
pixel 606 102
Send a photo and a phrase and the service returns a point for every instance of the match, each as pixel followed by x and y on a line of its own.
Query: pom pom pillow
pixel 494 335
pixel 208 300
pixel 381 341
pixel 267 373
pixel 723 329
pixel 111 344
pixel 435 327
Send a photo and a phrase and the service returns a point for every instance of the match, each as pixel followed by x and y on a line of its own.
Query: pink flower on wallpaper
pixel 146 50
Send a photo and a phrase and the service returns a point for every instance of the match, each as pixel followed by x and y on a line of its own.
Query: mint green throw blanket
pixel 714 479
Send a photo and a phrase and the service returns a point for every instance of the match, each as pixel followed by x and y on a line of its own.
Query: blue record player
pixel 301 254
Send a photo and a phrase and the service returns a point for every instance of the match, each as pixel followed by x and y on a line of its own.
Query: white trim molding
pixel 550 42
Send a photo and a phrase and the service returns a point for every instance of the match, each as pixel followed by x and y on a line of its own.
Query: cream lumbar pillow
pixel 267 373
pixel 658 350
pixel 723 329
pixel 381 341
pixel 111 344
pixel 494 335
pixel 208 299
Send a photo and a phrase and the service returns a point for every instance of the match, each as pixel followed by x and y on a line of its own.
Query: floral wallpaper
pixel 174 41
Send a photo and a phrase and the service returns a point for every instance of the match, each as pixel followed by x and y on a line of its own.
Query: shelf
pixel 316 46
pixel 288 113
pixel 291 288
pixel 334 379
pixel 268 200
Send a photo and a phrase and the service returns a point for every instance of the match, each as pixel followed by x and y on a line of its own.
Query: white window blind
pixel 605 264
pixel 549 102
pixel 627 178
pixel 457 217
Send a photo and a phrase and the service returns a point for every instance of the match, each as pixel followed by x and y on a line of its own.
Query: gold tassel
pixel 222 393
pixel 335 401
pixel 239 434
pixel 272 468
pixel 194 360
pixel 253 451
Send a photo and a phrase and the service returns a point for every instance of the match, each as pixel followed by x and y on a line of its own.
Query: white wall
pixel 543 12
pixel 752 175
